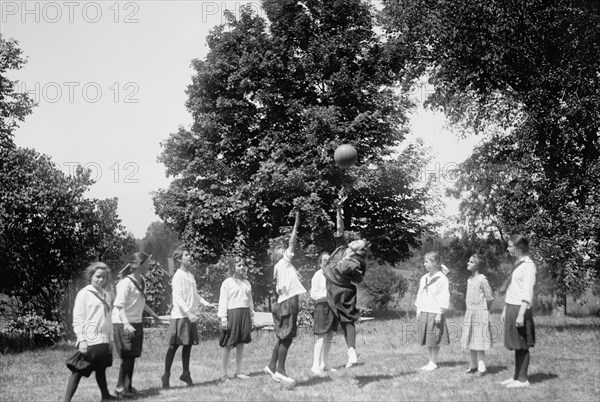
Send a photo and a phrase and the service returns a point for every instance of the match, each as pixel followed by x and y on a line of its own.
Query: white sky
pixel 110 78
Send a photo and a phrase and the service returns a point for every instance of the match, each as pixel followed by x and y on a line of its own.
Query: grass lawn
pixel 565 365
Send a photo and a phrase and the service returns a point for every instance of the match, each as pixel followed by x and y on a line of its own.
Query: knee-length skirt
pixel 518 338
pixel 129 345
pixel 239 327
pixel 476 331
pixel 183 332
pixel 430 333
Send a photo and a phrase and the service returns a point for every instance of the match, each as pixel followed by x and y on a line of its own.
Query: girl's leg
pixel 472 359
pixel 186 351
pixel 125 372
pixel 324 364
pixel 185 361
pixel 101 381
pixel 130 375
pixel 239 357
pixel 429 353
pixel 522 374
pixel 318 354
pixel 284 345
pixel 349 334
pixel 72 386
pixel 274 356
pixel 225 361
pixel 481 361
pixel 518 363
pixel 435 350
pixel 122 373
pixel 170 357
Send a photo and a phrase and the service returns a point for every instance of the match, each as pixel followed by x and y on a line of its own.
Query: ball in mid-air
pixel 345 156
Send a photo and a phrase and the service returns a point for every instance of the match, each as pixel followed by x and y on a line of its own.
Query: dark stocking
pixel 72 386
pixel 349 333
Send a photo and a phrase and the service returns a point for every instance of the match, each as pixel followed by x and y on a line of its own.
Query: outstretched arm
pixel 340 216
pixel 294 236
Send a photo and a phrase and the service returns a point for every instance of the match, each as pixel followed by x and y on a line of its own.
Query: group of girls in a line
pixel 101 323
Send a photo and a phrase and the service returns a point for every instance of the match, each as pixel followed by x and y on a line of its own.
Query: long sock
pixel 473 359
pixel 130 376
pixel 284 345
pixel 226 357
pixel 101 381
pixel 170 357
pixel 326 348
pixel 429 352
pixel 525 356
pixel 349 334
pixel 318 352
pixel 518 363
pixel 125 373
pixel 186 351
pixel 274 356
pixel 72 386
pixel 239 357
pixel 435 350
pixel 480 360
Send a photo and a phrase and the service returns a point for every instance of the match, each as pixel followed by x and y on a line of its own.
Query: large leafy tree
pixel 271 102
pixel 49 230
pixel 527 74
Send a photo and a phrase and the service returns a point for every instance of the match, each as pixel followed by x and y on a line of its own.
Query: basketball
pixel 345 156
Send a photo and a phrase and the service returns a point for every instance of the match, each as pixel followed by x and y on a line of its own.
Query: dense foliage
pixel 525 73
pixel 271 102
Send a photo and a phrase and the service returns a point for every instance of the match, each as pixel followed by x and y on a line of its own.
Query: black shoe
pixel 109 397
pixel 186 378
pixel 165 380
pixel 471 371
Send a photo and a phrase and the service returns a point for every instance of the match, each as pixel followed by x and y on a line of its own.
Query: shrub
pixel 381 284
pixel 158 288
pixel 29 331
pixel 208 323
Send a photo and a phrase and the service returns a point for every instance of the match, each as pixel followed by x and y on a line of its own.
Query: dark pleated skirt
pixel 342 301
pixel 324 319
pixel 239 327
pixel 431 334
pixel 98 357
pixel 183 332
pixel 129 346
pixel 285 318
pixel 518 338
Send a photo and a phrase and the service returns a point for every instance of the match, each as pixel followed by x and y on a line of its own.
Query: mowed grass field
pixel 565 365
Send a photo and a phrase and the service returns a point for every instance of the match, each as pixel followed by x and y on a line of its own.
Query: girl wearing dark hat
pixel 519 331
pixel 129 305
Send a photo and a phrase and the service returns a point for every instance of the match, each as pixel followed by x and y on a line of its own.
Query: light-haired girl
pixel 236 311
pixel 93 327
pixel 477 333
pixel 433 299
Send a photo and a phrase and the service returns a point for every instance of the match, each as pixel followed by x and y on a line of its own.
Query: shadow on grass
pixel 313 381
pixel 569 327
pixel 495 369
pixel 367 379
pixel 541 377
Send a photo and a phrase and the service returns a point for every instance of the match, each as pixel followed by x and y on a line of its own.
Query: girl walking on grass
pixel 519 330
pixel 477 333
pixel 93 327
pixel 433 299
pixel 129 306
pixel 285 311
pixel 236 311
pixel 184 316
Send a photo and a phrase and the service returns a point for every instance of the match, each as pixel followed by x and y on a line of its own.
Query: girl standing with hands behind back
pixel 433 299
pixel 477 333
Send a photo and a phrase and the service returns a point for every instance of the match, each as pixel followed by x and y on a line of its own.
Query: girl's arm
pixel 223 302
pixel 340 216
pixel 528 285
pixel 293 237
pixel 148 310
pixel 79 321
pixel 251 300
pixel 120 306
